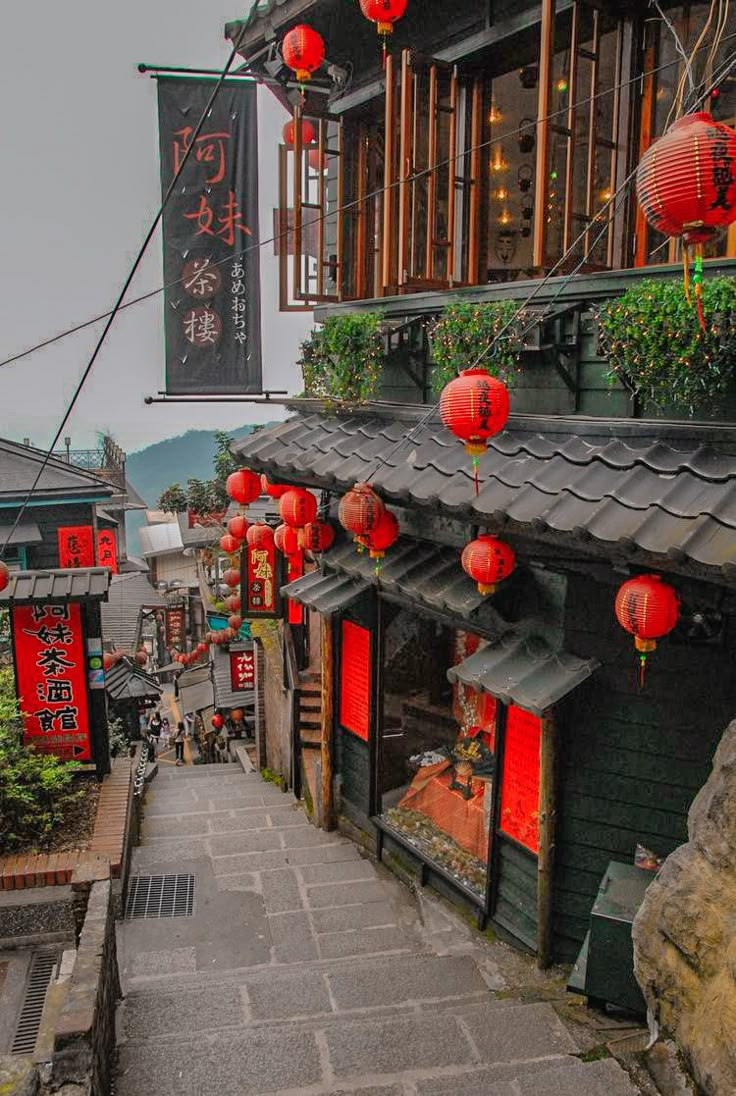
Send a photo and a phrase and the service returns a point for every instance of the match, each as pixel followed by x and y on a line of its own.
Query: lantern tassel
pixel 698 280
pixel 476 466
pixel 686 271
pixel 642 668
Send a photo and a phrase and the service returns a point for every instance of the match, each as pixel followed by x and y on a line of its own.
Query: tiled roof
pixel 225 697
pixel 527 672
pixel 69 585
pixel 126 681
pixel 121 617
pixel 666 489
pixel 20 464
pixel 326 591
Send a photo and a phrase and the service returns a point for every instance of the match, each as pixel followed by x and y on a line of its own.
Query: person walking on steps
pixel 179 743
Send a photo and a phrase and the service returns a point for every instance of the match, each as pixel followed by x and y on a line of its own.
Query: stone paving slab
pixel 250 861
pixel 399 980
pixel 281 891
pixel 343 871
pixel 201 1008
pixel 337 894
pixel 341 918
pixel 338 945
pixel 255 841
pixel 292 938
pixel 287 996
pixel 517 1034
pixel 394 1046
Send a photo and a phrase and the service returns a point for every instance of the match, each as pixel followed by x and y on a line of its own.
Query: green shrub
pixel 36 789
pixel 342 361
pixel 119 741
pixel 466 330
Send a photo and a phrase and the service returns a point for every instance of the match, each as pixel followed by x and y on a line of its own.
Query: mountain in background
pixel 175 460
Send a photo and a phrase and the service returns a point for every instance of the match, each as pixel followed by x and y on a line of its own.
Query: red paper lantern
pixel 317 536
pixel 4 575
pixel 316 161
pixel 289 132
pixel 360 510
pixel 232 603
pixel 382 536
pixel 286 539
pixel 649 609
pixel 685 182
pixel 488 560
pixel 260 535
pixel 303 51
pixel 243 486
pixel 235 622
pixel 141 657
pixel 238 526
pixel 108 660
pixel 474 406
pixel 297 507
pixel 202 647
pixel 273 490
pixel 231 577
pixel 383 13
pixel 229 544
pixel 217 721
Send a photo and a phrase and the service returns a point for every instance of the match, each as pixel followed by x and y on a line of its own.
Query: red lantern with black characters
pixel 238 526
pixel 384 14
pixel 474 407
pixel 286 539
pixel 231 577
pixel 260 535
pixel 648 608
pixel 273 490
pixel 297 507
pixel 229 544
pixel 303 51
pixel 243 486
pixel 383 536
pixel 488 560
pixel 317 536
pixel 289 130
pixel 4 575
pixel 360 510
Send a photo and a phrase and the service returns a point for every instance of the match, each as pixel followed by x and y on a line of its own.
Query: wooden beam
pixel 405 155
pixel 326 720
pixel 388 177
pixel 297 181
pixel 544 99
pixel 452 174
pixel 547 825
pixel 645 137
pixel 432 173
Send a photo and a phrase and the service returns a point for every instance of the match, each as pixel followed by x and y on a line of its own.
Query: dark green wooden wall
pixel 516 891
pixel 354 766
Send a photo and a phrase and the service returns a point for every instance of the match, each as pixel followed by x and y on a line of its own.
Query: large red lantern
pixel 297 507
pixel 259 535
pixel 273 490
pixel 382 536
pixel 286 539
pixel 648 608
pixel 238 526
pixel 488 560
pixel 360 510
pixel 243 486
pixel 474 406
pixel 289 131
pixel 229 544
pixel 231 577
pixel 317 536
pixel 303 51
pixel 4 575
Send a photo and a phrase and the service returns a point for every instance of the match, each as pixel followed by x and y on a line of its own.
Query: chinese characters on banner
pixel 210 229
pixel 107 555
pixel 242 670
pixel 355 679
pixel 76 546
pixel 175 626
pixel 52 679
pixel 260 582
pixel 520 786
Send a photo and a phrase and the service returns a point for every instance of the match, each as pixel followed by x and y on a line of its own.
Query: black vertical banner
pixel 210 236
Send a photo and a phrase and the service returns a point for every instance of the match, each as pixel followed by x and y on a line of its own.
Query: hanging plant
pixel 656 347
pixel 466 328
pixel 342 361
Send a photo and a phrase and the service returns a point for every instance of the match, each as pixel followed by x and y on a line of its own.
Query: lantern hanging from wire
pixel 286 539
pixel 238 526
pixel 235 621
pixel 686 187
pixel 317 536
pixel 648 608
pixel 231 577
pixel 202 648
pixel 259 535
pixel 360 510
pixel 297 507
pixel 488 561
pixel 303 51
pixel 384 534
pixel 230 544
pixel 4 575
pixel 289 132
pixel 243 486
pixel 217 721
pixel 474 406
pixel 317 161
pixel 273 490
pixel 384 14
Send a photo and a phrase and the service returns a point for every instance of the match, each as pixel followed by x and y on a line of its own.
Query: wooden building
pixel 502 745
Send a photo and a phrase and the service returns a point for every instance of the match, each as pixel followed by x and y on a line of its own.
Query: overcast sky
pixel 79 187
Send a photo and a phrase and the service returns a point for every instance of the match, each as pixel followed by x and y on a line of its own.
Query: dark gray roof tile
pixel 58 585
pixel 326 591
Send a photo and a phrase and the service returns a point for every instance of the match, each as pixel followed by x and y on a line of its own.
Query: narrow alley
pixel 294 965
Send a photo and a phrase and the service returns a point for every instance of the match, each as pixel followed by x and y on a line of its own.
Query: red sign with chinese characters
pixel 76 546
pixel 107 552
pixel 175 626
pixel 520 786
pixel 52 679
pixel 260 581
pixel 242 670
pixel 355 679
pixel 295 570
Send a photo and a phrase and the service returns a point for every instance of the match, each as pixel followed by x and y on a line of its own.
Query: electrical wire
pixel 345 208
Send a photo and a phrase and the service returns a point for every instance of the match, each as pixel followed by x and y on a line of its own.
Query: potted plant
pixel 487 334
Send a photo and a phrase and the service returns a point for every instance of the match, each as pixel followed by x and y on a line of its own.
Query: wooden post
pixel 547 821
pixel 326 724
pixel 543 104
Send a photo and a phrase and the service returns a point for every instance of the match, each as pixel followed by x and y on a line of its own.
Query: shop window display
pixel 437 759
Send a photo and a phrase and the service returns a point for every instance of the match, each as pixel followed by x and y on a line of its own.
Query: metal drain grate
pixel 40 973
pixel 160 896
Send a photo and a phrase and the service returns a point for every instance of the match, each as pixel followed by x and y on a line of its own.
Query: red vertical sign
pixel 107 552
pixel 76 546
pixel 355 679
pixel 259 581
pixel 242 670
pixel 175 626
pixel 295 570
pixel 52 679
pixel 520 786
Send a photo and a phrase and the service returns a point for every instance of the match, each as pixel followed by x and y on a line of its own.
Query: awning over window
pixel 326 592
pixel 196 693
pixel 225 695
pixel 25 533
pixel 524 671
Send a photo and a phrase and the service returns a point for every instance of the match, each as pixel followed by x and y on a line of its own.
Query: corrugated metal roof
pixel 127 681
pixel 25 533
pixel 157 539
pixel 667 489
pixel 225 697
pixel 130 593
pixel 326 591
pixel 74 584
pixel 524 671
pixel 196 693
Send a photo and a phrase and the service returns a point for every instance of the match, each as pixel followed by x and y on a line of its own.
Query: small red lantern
pixel 4 575
pixel 238 526
pixel 141 656
pixel 303 51
pixel 217 721
pixel 488 560
pixel 649 609
pixel 273 490
pixel 316 161
pixel 382 536
pixel 260 535
pixel 360 510
pixel 235 622
pixel 297 507
pixel 286 539
pixel 384 14
pixel 232 603
pixel 474 406
pixel 202 648
pixel 231 577
pixel 289 131
pixel 108 660
pixel 229 544
pixel 243 486
pixel 317 536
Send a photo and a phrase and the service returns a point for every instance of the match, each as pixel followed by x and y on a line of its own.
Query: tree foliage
pixel 204 496
pixel 342 361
